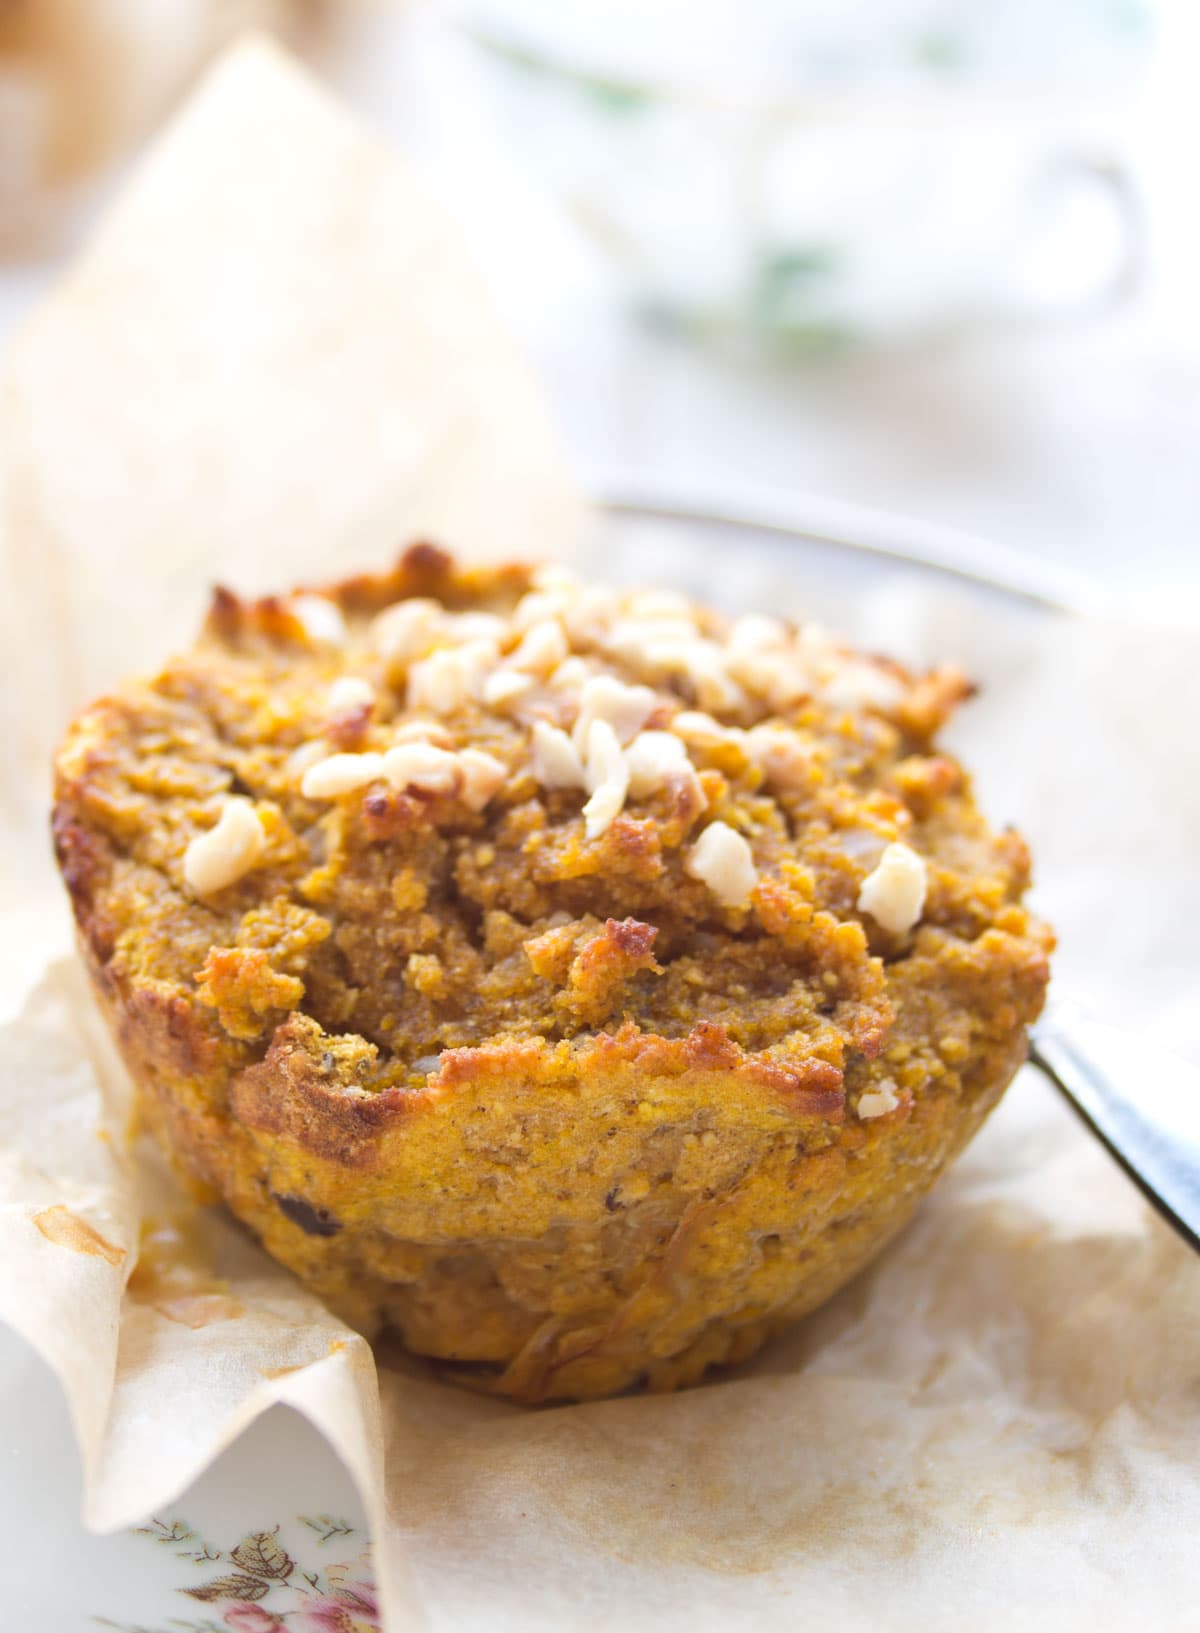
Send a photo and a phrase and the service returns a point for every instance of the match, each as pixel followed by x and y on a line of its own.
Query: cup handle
pixel 1124 276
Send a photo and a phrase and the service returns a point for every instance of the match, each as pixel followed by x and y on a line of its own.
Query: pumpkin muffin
pixel 580 983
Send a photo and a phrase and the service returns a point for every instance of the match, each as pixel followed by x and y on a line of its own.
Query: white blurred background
pixel 934 256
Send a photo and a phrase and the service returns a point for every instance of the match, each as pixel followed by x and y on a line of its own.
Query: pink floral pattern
pixel 246 1618
pixel 259 1586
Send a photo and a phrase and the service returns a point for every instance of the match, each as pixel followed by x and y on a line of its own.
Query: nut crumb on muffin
pixel 227 851
pixel 893 893
pixel 722 859
pixel 519 957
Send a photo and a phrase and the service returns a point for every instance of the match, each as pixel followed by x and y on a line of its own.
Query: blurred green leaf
pixel 614 95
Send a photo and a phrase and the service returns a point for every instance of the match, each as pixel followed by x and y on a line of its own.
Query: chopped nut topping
pixel 894 893
pixel 722 859
pixel 755 633
pixel 477 626
pixel 607 778
pixel 451 676
pixel 605 761
pixel 572 675
pixel 556 761
pixel 856 685
pixel 340 774
pixel 625 708
pixel 653 759
pixel 482 775
pixel 503 685
pixel 321 618
pixel 701 729
pixel 538 605
pixel 775 676
pixel 423 731
pixel 879 1101
pixel 651 604
pixel 553 575
pixel 704 666
pixel 818 646
pixel 350 692
pixel 785 758
pixel 634 638
pixel 543 647
pixel 698 662
pixel 589 615
pixel 299 760
pixel 421 765
pixel 406 630
pixel 437 682
pixel 227 851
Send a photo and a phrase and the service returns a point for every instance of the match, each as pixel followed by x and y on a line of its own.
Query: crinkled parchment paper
pixel 273 364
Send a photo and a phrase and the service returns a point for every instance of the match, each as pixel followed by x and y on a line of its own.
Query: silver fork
pixel 1140 1101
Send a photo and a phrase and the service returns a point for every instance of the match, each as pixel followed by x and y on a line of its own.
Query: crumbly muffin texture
pixel 580 982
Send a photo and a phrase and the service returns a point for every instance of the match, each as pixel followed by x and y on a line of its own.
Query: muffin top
pixel 446 808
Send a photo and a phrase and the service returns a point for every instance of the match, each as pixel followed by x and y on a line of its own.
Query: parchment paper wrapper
pixel 273 364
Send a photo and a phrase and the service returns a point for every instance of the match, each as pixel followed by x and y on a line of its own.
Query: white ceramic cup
pixel 856 205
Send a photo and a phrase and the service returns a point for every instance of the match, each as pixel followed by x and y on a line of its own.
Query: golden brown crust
pixel 532 1095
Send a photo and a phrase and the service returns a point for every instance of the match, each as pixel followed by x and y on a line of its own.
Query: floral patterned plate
pixel 270 1540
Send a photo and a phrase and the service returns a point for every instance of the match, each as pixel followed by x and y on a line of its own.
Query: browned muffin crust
pixel 580 1086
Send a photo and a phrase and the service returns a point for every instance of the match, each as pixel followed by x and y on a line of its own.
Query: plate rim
pixel 861 530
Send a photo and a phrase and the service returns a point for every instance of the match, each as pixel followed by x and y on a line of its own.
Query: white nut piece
pixel 660 604
pixel 423 766
pixel 857 685
pixel 482 775
pixel 227 851
pixel 556 761
pixel 505 686
pixel 699 728
pixel 537 605
pixel 437 683
pixel 655 758
pixel 699 662
pixel 423 731
pixel 879 1101
pixel 543 647
pixel 322 619
pixel 605 761
pixel 476 626
pixel 607 778
pixel 634 638
pixel 784 757
pixel 350 692
pixel 819 646
pixel 571 676
pixel 553 575
pixel 340 774
pixel 450 677
pixel 625 708
pixel 299 760
pixel 722 859
pixel 406 630
pixel 755 633
pixel 588 619
pixel 894 892
pixel 776 676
